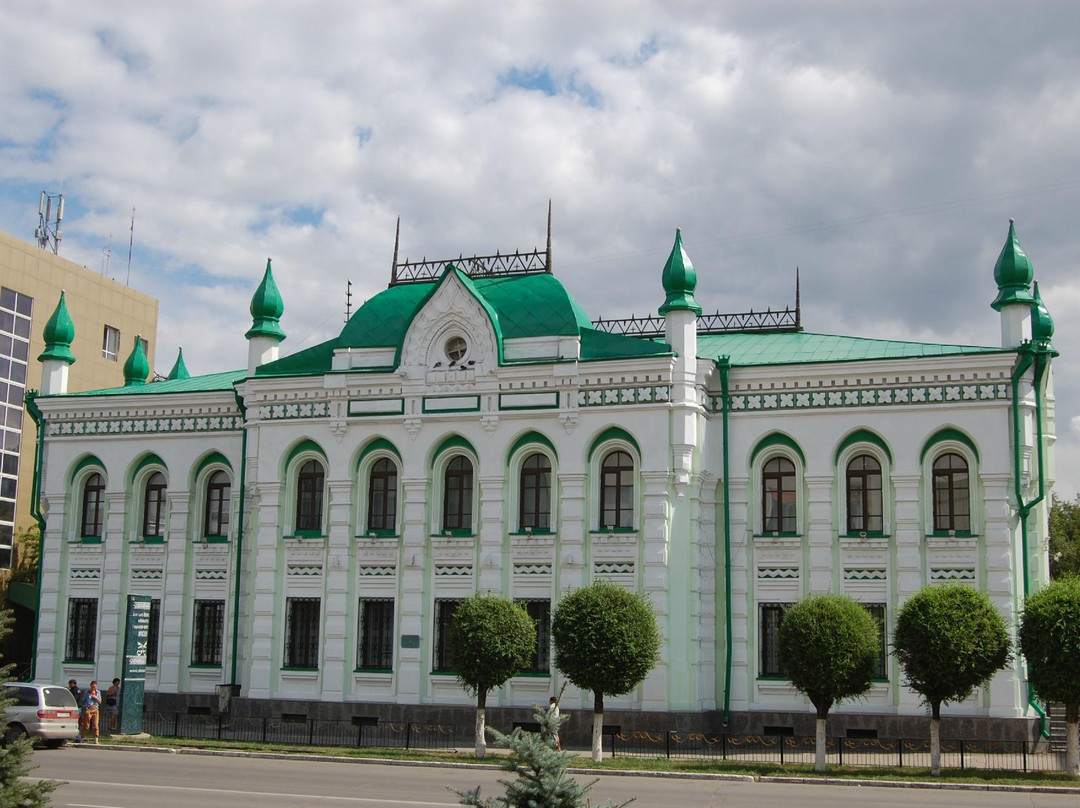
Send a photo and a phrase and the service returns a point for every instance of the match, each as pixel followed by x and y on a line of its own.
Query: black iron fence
pixel 781 749
pixel 303 731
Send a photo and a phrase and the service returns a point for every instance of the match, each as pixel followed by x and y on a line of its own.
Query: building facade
pixel 110 316
pixel 306 525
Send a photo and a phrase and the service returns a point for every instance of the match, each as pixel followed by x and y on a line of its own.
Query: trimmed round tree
pixel 606 641
pixel 1050 642
pixel 949 640
pixel 491 639
pixel 828 648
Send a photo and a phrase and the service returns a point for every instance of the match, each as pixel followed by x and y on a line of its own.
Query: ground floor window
pixel 444 616
pixel 771 615
pixel 375 634
pixel 153 631
pixel 540 612
pixel 208 633
pixel 877 611
pixel 81 630
pixel 302 633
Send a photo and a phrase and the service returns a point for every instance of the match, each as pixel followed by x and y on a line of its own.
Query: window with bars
pixel 778 509
pixel 540 612
pixel 302 633
pixel 216 513
pixel 617 490
pixel 864 502
pixel 154 506
pixel 877 611
pixel 93 510
pixel 771 615
pixel 534 506
pixel 375 634
pixel 208 635
pixel 309 497
pixel 153 632
pixel 458 494
pixel 444 617
pixel 81 630
pixel 952 502
pixel 382 496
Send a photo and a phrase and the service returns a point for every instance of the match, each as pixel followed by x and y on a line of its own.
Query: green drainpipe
pixel 39 517
pixel 1029 356
pixel 724 363
pixel 239 535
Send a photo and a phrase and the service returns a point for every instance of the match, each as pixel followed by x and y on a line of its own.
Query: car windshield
pixel 58 697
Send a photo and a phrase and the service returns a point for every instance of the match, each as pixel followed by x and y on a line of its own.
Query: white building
pixel 306 524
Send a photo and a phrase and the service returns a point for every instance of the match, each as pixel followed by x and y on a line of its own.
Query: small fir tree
pixel 15 757
pixel 492 638
pixel 540 777
pixel 828 647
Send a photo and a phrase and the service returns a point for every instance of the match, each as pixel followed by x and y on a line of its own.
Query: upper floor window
pixel 864 502
pixel 778 505
pixel 382 496
pixel 216 511
pixel 617 490
pixel 952 501
pixel 110 343
pixel 535 500
pixel 309 497
pixel 154 506
pixel 93 506
pixel 458 494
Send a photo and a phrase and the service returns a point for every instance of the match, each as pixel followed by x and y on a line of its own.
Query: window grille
pixel 153 632
pixel 772 615
pixel 444 616
pixel 375 643
pixel 540 612
pixel 209 632
pixel 81 629
pixel 302 633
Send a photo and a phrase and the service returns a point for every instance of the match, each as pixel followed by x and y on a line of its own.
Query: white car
pixel 44 712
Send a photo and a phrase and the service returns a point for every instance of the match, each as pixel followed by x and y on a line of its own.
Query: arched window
pixel 864 504
pixel 93 506
pixel 153 524
pixel 382 495
pixel 952 500
pixel 617 490
pixel 309 497
pixel 778 506
pixel 216 513
pixel 534 505
pixel 458 494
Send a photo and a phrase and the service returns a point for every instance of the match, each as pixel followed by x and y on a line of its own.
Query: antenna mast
pixel 131 242
pixel 106 256
pixel 48 233
pixel 348 300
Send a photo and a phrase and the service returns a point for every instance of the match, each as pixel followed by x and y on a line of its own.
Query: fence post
pixel 408 733
pixel 900 749
pixel 780 738
pixel 839 748
pixel 961 754
pixel 264 729
pixel 176 725
pixel 723 746
pixel 1023 753
pixel 667 744
pixel 311 731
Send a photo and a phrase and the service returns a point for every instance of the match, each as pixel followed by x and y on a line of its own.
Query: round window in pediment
pixel 456 348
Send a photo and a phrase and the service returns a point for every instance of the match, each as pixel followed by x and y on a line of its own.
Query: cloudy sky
pixel 880 147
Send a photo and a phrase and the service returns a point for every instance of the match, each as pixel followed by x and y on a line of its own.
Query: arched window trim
pixel 363 492
pixel 965 450
pixel 140 479
pixel 599 451
pixel 301 455
pixel 450 449
pixel 207 469
pixel 515 469
pixel 155 512
pixel 848 453
pixel 78 486
pixel 762 454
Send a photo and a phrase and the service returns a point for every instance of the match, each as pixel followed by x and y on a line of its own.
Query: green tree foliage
pixel 540 778
pixel 606 641
pixel 1050 642
pixel 828 648
pixel 15 759
pixel 1064 537
pixel 492 638
pixel 949 640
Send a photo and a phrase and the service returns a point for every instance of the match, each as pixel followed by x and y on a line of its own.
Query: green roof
pixel 209 383
pixel 800 347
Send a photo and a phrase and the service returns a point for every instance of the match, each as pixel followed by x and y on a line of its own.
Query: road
pixel 109 778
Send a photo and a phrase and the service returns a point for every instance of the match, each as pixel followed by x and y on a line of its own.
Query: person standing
pixel 77 693
pixel 112 706
pixel 553 712
pixel 93 710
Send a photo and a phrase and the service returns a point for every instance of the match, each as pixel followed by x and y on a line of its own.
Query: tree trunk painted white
pixel 935 746
pixel 819 746
pixel 1072 740
pixel 481 726
pixel 598 727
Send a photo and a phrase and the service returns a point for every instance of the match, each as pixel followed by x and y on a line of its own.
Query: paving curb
pixel 744 778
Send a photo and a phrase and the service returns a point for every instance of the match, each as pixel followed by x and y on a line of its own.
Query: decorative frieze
pixel 864 396
pixel 195 424
pixel 613 396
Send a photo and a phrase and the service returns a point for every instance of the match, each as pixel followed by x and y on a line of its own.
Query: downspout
pixel 39 517
pixel 1028 356
pixel 239 535
pixel 724 364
